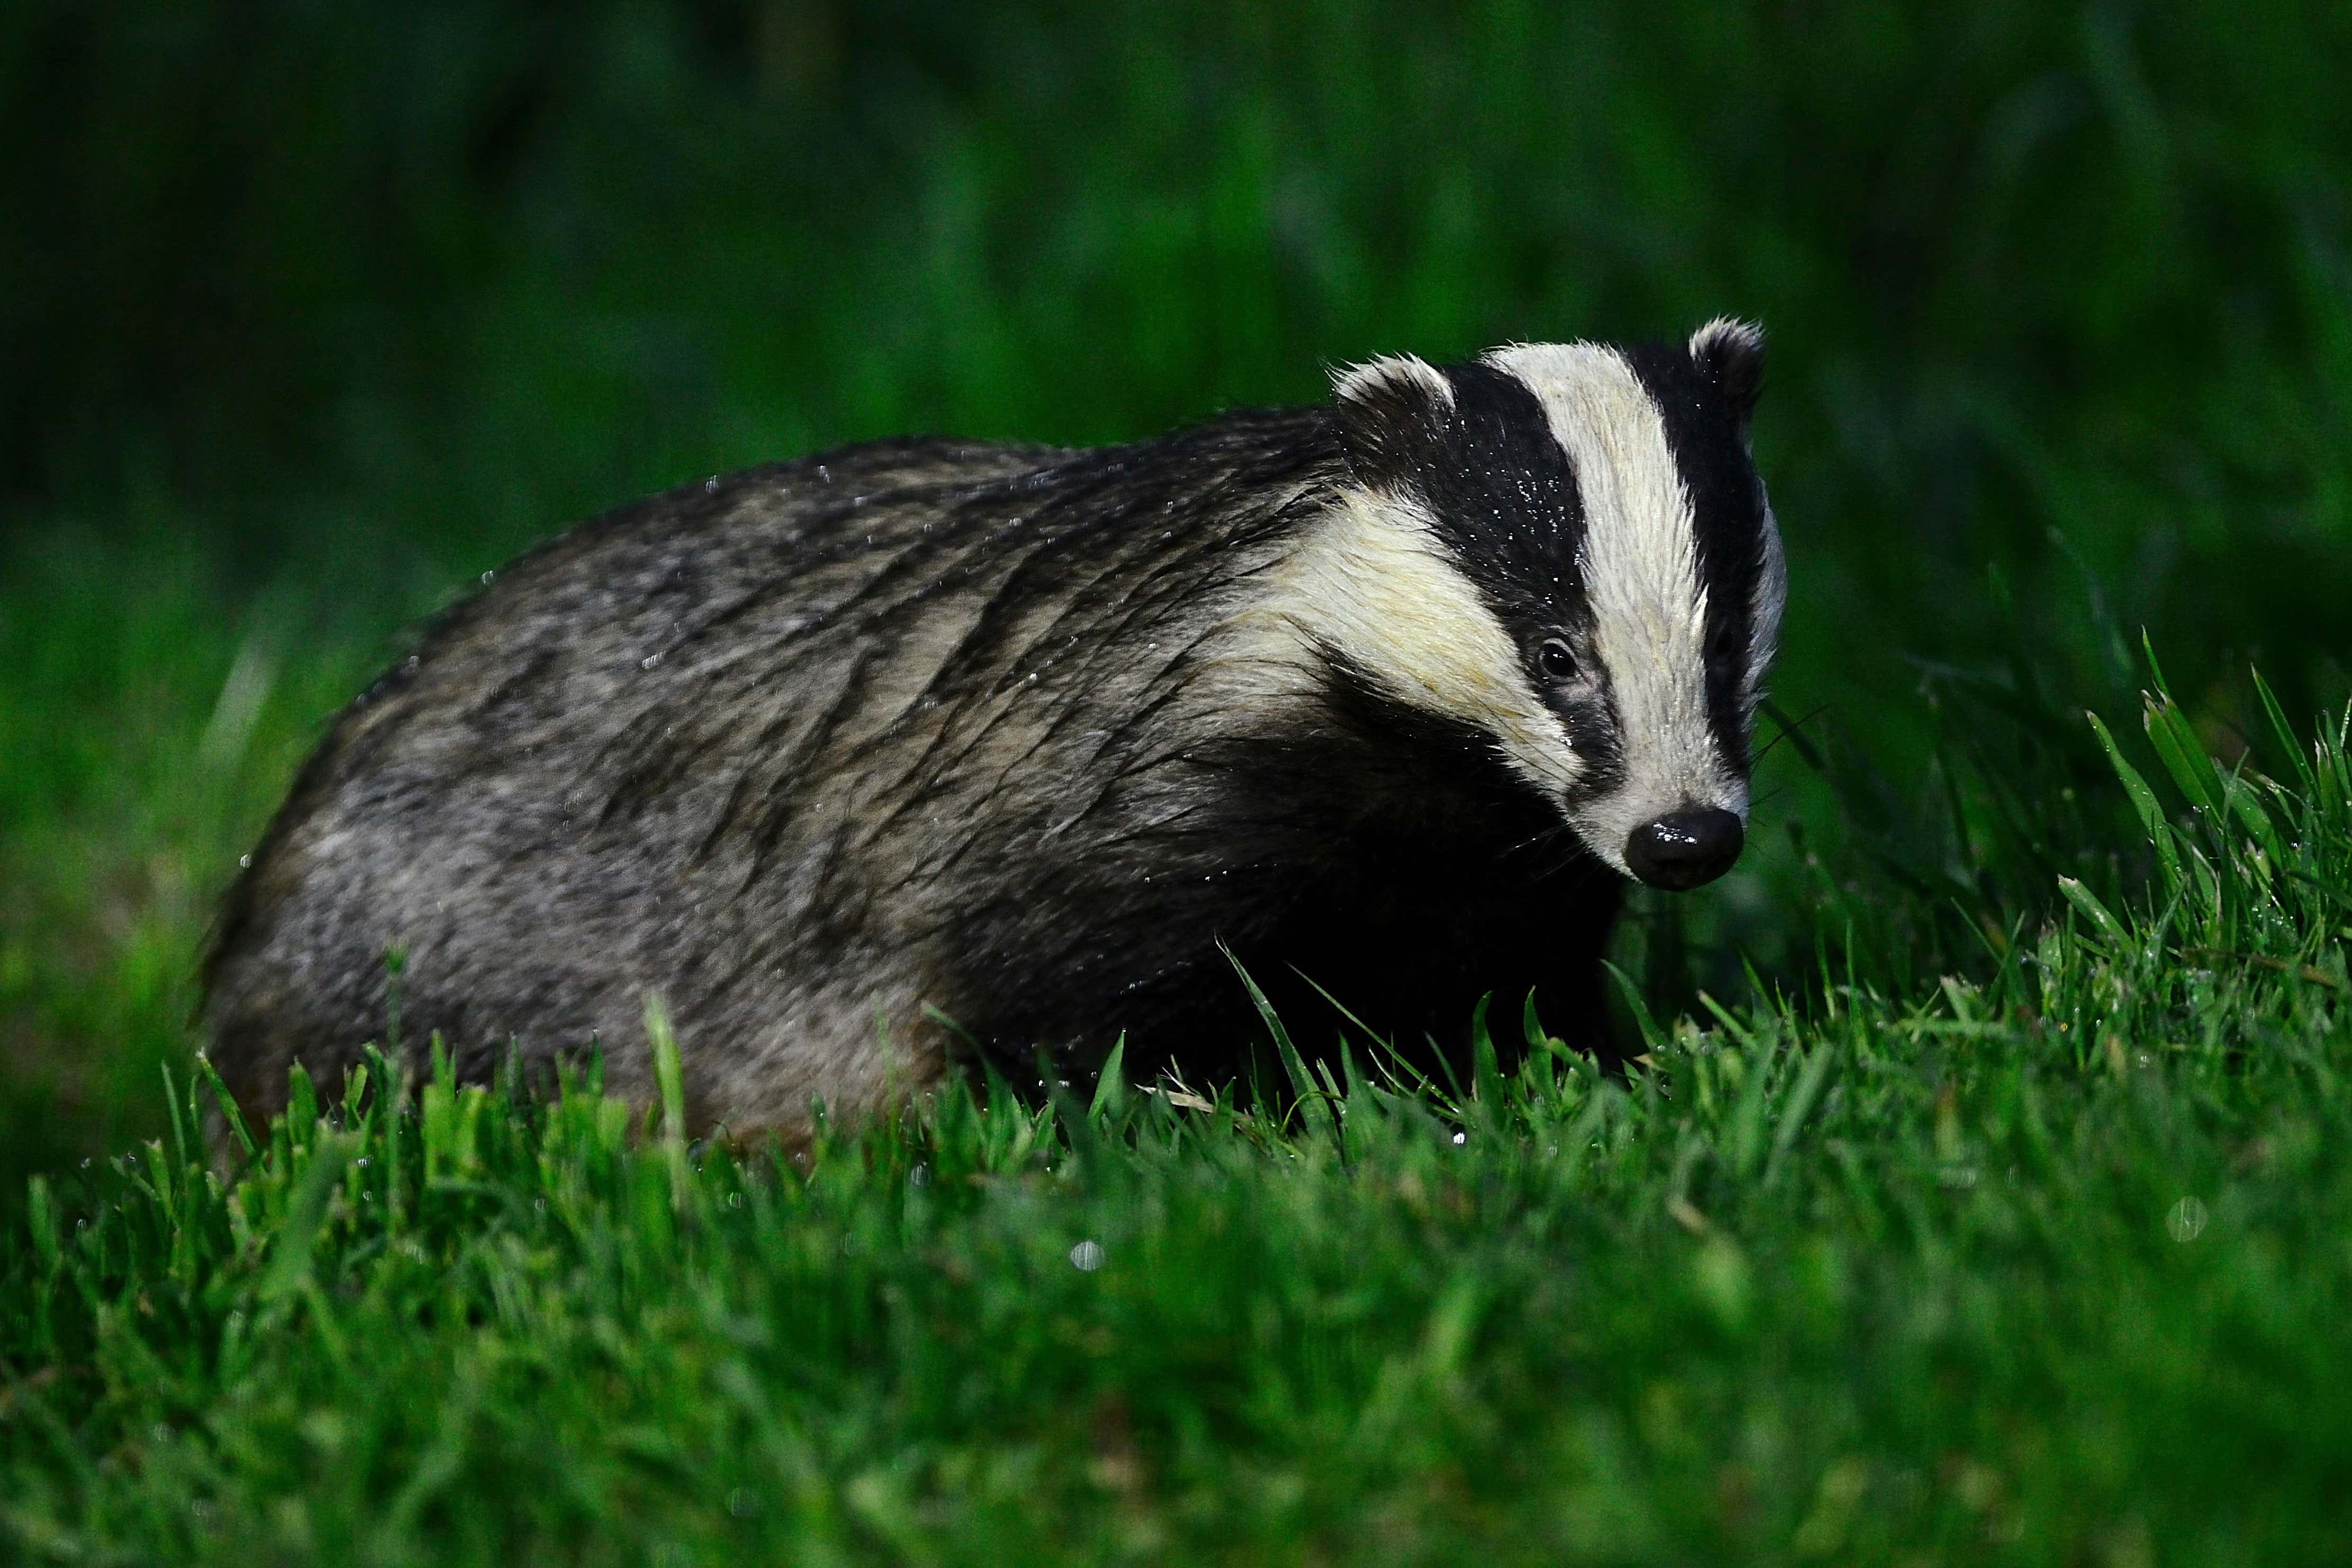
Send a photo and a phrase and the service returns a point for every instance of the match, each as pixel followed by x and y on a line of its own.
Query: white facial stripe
pixel 1641 574
pixel 1765 602
pixel 1369 583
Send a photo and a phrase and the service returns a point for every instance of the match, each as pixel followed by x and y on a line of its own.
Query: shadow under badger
pixel 1392 694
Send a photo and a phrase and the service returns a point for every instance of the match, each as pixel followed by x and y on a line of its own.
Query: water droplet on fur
pixel 1086 1257
pixel 2185 1221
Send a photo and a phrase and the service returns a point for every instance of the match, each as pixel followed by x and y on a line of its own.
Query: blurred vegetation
pixel 310 313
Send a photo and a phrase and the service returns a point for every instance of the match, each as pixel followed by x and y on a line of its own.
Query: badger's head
pixel 1566 548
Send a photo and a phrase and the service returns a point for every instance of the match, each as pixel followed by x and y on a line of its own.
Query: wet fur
pixel 823 750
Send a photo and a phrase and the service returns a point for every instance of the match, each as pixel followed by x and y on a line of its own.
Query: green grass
pixel 146 737
pixel 310 314
pixel 2047 1268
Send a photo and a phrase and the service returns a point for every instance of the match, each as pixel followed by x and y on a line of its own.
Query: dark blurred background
pixel 311 312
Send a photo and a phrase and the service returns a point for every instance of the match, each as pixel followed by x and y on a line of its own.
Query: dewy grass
pixel 2049 1266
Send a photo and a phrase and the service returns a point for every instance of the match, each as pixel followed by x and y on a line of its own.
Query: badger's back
pixel 817 751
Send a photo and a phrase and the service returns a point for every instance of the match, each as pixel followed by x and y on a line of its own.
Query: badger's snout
pixel 1684 848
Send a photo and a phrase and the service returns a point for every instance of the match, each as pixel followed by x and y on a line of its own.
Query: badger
pixel 923 756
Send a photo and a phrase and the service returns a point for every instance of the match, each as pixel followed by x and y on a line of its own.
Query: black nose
pixel 1684 848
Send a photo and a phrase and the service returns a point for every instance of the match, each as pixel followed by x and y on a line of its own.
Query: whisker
pixel 1789 731
pixel 1543 837
pixel 1563 863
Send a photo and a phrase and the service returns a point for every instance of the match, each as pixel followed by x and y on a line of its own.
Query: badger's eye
pixel 1556 660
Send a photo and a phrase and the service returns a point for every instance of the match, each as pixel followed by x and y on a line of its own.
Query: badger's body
pixel 1386 695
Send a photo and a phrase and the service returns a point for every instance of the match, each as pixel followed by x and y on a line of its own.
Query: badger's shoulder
pixel 659 611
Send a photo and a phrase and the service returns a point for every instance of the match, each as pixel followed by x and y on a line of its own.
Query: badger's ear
pixel 1392 414
pixel 1731 354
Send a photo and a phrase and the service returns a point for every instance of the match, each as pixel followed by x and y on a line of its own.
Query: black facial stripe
pixel 1509 514
pixel 1727 517
pixel 1594 731
pixel 1506 500
pixel 1507 504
